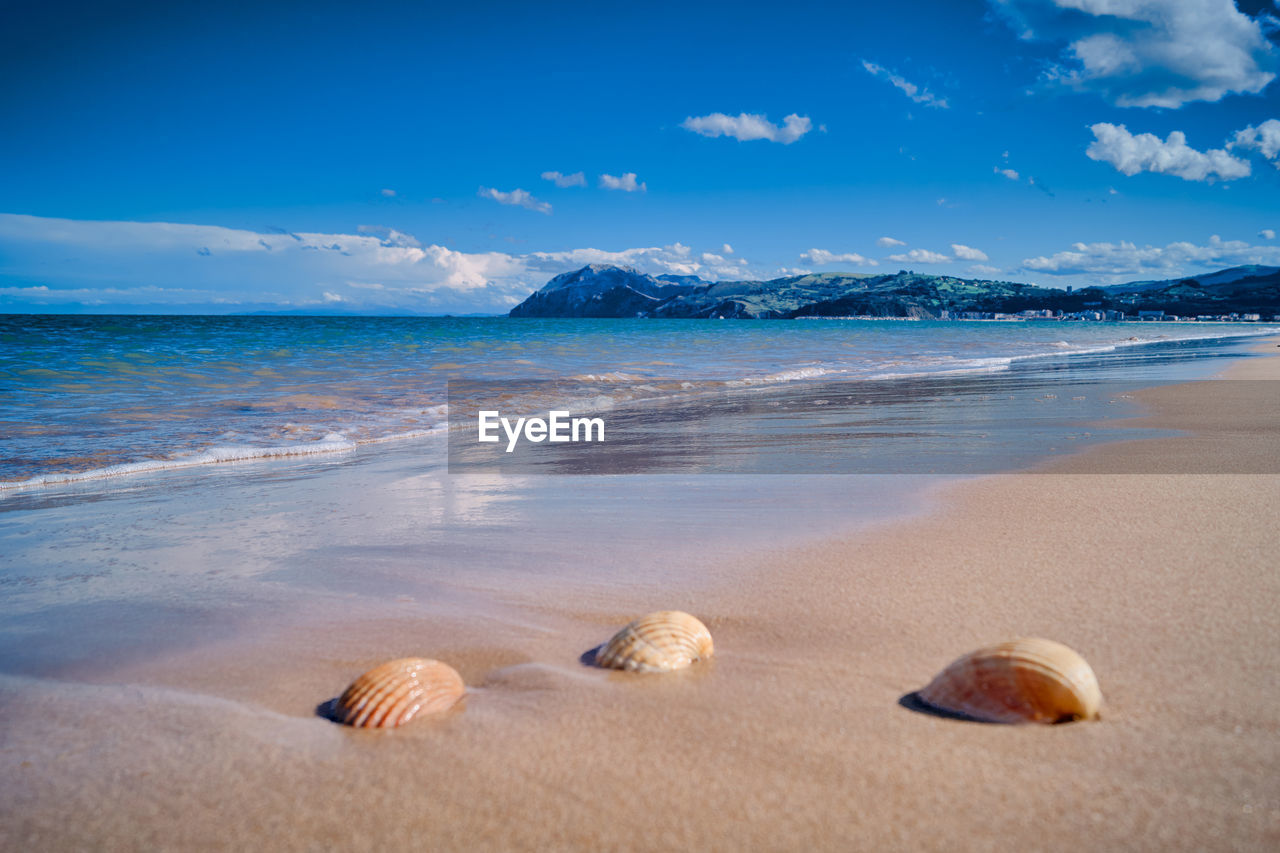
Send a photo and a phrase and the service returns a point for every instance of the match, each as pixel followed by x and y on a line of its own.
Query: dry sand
pixel 793 737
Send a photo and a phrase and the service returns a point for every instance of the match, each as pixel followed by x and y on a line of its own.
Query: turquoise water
pixel 89 396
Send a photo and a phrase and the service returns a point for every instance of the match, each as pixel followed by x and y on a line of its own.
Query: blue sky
pixel 417 157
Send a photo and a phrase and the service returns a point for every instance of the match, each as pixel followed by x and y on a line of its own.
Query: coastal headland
pixel 1246 293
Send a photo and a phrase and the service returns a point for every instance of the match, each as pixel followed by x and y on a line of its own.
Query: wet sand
pixel 793 737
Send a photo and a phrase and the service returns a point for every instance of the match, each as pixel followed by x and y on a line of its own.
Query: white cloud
pixel 470 270
pixel 911 90
pixel 1125 258
pixel 676 258
pixel 132 264
pixel 1265 138
pixel 968 253
pixel 388 193
pixel 1267 234
pixel 726 249
pixel 517 197
pixel 577 179
pixel 1146 152
pixel 723 267
pixel 984 269
pixel 1150 53
pixel 390 236
pixel 889 242
pixel 746 127
pixel 920 256
pixel 1011 174
pixel 821 257
pixel 626 183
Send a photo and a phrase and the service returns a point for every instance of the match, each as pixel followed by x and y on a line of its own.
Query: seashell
pixel 395 692
pixel 1022 681
pixel 659 642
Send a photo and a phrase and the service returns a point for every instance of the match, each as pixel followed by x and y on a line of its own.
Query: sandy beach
pixel 793 737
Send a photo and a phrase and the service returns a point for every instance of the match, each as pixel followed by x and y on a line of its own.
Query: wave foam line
pixel 332 443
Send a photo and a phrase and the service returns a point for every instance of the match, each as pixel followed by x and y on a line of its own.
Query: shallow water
pixel 82 397
pixel 166 637
pixel 101 573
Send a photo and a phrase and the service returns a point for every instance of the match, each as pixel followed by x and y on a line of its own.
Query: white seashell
pixel 1023 681
pixel 659 642
pixel 395 692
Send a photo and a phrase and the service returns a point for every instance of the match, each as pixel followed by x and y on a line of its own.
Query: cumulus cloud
pixel 517 197
pixel 1150 53
pixel 984 269
pixel 627 183
pixel 920 256
pixel 1265 138
pixel 388 193
pixel 889 242
pixel 132 264
pixel 726 249
pixel 1011 174
pixel 968 253
pixel 390 237
pixel 821 257
pixel 1125 258
pixel 723 267
pixel 746 127
pixel 676 258
pixel 577 179
pixel 1267 234
pixel 1146 152
pixel 911 90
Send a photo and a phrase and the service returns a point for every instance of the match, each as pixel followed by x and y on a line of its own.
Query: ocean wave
pixel 398 409
pixel 330 444
pixel 793 374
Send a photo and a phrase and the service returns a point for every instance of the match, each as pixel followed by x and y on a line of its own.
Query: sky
pixel 432 158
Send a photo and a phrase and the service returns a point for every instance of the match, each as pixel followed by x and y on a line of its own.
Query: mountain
pixel 1228 276
pixel 601 290
pixel 1249 289
pixel 609 291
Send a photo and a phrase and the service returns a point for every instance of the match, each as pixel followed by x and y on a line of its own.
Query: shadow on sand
pixel 912 702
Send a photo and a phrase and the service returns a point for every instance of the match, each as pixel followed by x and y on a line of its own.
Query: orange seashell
pixel 395 692
pixel 1023 681
pixel 659 642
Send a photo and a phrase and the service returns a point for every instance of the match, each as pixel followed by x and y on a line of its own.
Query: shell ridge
pixel 396 696
pixel 1024 680
pixel 662 641
pixel 375 696
pixel 395 692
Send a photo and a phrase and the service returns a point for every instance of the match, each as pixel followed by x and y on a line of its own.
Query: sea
pixel 174 485
pixel 87 398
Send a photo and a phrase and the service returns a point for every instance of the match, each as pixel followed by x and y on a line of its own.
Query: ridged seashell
pixel 659 642
pixel 395 692
pixel 1023 681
